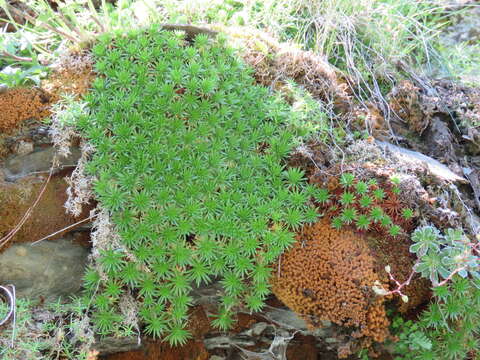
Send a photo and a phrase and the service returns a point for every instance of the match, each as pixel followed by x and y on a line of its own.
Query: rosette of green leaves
pixel 441 255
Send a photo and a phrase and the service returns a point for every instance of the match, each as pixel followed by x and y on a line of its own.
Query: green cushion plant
pixel 190 163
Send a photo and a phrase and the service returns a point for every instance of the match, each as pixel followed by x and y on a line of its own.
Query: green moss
pixel 190 163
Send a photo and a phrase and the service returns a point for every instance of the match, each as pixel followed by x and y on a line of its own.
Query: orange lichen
pixel 328 275
pixel 20 104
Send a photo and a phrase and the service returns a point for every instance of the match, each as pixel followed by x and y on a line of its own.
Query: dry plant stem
pixel 69 24
pixel 100 25
pixel 70 227
pixel 15 57
pixel 45 25
pixel 25 217
pixel 400 286
pixel 9 291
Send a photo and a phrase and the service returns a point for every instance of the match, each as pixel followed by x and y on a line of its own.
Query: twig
pixel 71 26
pixel 15 57
pixel 45 25
pixel 10 301
pixel 100 25
pixel 64 229
pixel 400 286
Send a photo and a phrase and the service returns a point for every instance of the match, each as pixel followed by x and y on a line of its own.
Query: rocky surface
pixel 275 334
pixel 49 269
pixel 26 158
pixel 436 168
pixel 23 164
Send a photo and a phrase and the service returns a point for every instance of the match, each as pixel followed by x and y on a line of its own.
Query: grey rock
pixel 17 167
pixel 287 319
pixel 50 268
pixel 226 342
pixel 258 328
pixel 276 351
pixel 112 345
pixel 331 340
pixel 23 148
pixel 435 167
pixel 440 141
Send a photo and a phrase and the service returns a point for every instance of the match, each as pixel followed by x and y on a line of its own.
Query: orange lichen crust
pixel 20 104
pixel 328 275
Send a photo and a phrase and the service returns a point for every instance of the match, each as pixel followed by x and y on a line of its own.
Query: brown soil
pixel 301 348
pixel 20 104
pixel 192 350
pixel 304 348
pixel 21 7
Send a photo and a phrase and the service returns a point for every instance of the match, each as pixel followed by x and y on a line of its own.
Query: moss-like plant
pixel 448 329
pixel 190 164
pixel 366 206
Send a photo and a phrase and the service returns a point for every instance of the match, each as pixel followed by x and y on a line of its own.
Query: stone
pixel 23 148
pixel 436 168
pixel 439 140
pixel 259 328
pixel 226 342
pixel 17 167
pixel 113 345
pixel 287 319
pixel 49 269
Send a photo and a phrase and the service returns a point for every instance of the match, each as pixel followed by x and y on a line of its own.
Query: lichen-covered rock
pixel 35 162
